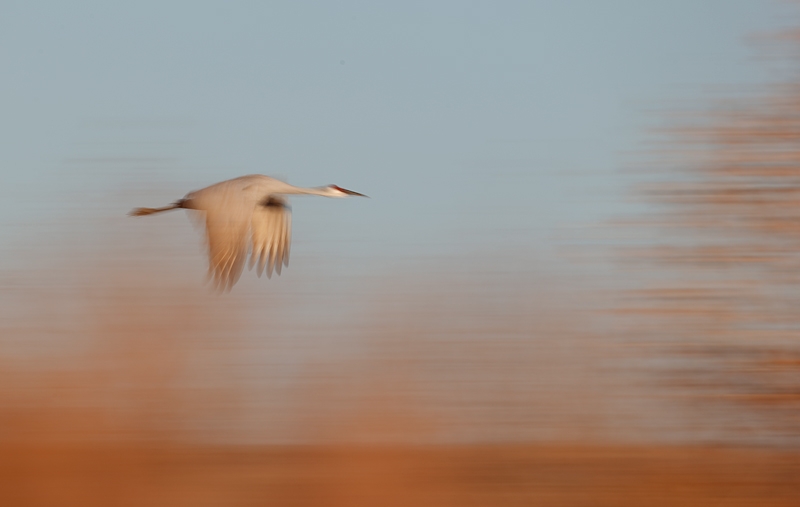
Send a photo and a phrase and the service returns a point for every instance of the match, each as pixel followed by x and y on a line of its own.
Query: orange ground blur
pixel 401 476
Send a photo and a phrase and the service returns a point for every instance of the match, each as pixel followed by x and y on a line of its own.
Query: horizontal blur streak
pixel 125 382
pixel 397 476
pixel 124 343
pixel 722 254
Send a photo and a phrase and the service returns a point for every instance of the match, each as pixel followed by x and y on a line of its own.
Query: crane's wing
pixel 236 210
pixel 227 234
pixel 272 233
pixel 228 211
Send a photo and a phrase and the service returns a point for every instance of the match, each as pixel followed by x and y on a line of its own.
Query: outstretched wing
pixel 227 234
pixel 235 211
pixel 272 232
pixel 228 208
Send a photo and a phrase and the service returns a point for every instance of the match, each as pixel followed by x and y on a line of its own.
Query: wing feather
pixel 271 224
pixel 227 248
pixel 227 209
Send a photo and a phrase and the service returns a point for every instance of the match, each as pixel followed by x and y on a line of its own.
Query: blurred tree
pixel 724 237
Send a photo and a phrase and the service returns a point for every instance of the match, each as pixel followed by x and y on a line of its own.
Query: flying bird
pixel 245 215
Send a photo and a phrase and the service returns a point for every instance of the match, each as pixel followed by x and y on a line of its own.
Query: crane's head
pixel 336 191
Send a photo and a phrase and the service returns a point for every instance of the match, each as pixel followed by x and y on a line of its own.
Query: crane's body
pixel 249 214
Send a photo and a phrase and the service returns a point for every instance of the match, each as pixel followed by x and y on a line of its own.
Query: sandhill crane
pixel 249 209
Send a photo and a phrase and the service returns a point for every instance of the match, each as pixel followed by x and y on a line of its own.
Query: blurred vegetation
pixel 721 248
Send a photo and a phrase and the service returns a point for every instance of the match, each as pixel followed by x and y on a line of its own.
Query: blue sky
pixel 469 123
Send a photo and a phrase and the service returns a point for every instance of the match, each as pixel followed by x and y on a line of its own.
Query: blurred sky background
pixel 470 123
pixel 488 135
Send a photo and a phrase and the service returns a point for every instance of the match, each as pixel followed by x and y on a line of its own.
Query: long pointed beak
pixel 348 192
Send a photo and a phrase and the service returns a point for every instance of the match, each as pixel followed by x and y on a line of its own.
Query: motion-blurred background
pixel 576 282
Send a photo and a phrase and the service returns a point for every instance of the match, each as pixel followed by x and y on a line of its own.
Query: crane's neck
pixel 286 188
pixel 323 191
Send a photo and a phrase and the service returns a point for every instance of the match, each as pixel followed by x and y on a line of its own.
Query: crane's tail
pixel 140 212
